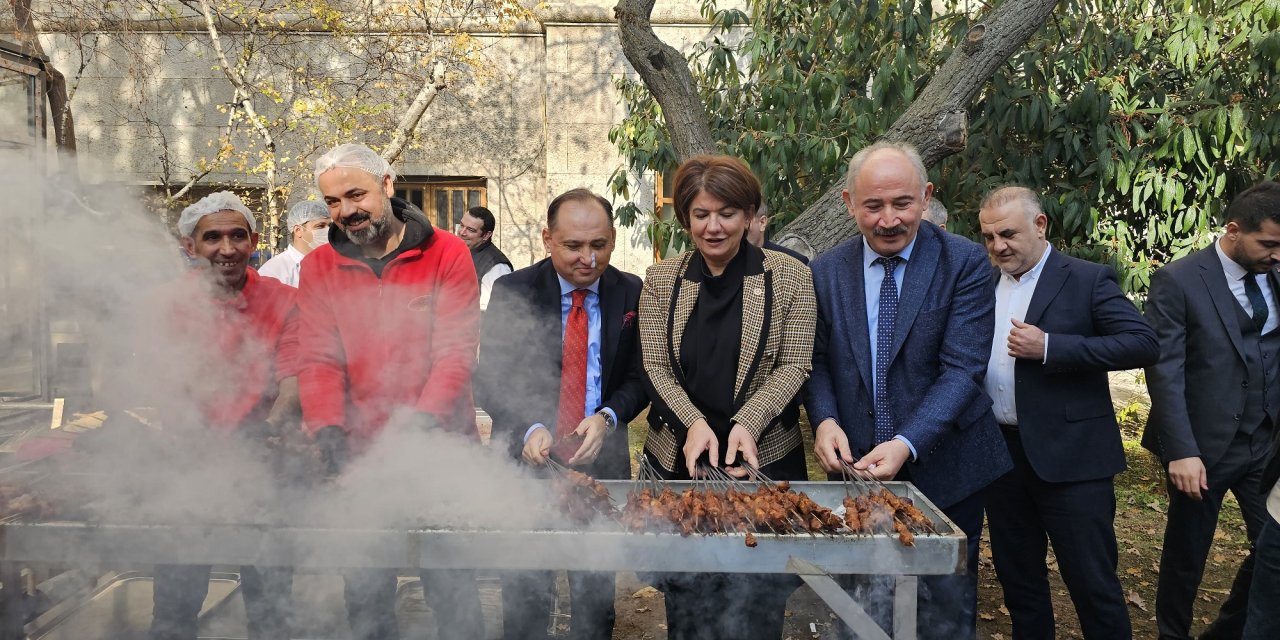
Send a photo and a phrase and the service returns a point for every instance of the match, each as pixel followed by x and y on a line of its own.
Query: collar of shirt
pixel 1232 268
pixel 1033 273
pixel 567 287
pixel 294 253
pixel 869 255
pixel 1235 276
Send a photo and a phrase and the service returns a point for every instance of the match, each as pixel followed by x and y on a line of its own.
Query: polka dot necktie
pixel 885 321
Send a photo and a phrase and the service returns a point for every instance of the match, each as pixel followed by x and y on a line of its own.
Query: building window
pixel 444 200
pixel 664 202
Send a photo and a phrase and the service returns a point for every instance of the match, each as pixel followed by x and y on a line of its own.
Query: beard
pixel 377 231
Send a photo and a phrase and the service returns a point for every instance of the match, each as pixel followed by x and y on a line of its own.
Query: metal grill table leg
pixel 904 607
pixel 864 628
pixel 11 622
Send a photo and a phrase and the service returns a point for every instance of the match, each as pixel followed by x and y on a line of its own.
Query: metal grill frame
pixel 813 557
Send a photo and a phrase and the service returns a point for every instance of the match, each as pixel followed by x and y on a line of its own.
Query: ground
pixel 1141 505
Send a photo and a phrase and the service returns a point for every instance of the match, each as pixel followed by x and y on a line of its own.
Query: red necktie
pixel 573 379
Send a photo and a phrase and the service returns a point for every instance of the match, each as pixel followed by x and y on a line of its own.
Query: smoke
pixel 112 277
pixel 103 268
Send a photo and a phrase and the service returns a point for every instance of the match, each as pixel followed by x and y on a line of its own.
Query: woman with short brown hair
pixel 726 333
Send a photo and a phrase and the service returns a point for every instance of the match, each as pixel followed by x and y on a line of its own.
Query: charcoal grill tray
pixel 122 544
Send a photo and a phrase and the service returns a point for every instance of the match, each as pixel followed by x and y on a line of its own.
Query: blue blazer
pixel 941 344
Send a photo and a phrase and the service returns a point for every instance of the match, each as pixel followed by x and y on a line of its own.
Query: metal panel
pixel 119 609
pixel 14 65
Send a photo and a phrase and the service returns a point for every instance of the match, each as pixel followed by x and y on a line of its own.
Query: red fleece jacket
pixel 244 345
pixel 370 346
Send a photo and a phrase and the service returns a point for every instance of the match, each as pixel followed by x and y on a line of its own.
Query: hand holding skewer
pixel 831 446
pixel 537 447
pixel 592 430
pixel 885 460
pixel 741 442
pixel 700 439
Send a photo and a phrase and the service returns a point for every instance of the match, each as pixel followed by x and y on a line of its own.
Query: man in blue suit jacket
pixel 1061 324
pixel 897 381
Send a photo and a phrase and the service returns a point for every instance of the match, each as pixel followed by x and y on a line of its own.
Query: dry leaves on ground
pixel 1136 600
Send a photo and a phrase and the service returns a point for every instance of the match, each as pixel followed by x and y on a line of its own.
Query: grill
pixel 120 544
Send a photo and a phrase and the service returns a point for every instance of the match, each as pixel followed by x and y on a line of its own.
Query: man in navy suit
pixel 1215 398
pixel 1061 324
pixel 897 382
pixel 523 382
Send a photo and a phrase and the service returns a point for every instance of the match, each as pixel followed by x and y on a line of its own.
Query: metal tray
pixel 119 609
pixel 605 549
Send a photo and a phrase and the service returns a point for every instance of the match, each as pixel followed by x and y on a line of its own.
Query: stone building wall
pixel 537 124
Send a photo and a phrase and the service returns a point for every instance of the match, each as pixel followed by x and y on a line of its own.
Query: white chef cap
pixel 356 156
pixel 213 203
pixel 306 211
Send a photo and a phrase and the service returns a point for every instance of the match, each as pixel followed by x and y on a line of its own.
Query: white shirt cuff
pixel 1045 359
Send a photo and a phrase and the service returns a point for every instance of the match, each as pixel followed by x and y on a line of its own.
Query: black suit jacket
pixel 517 380
pixel 1197 399
pixel 1065 415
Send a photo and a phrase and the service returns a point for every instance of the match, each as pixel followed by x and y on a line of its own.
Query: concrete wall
pixel 535 125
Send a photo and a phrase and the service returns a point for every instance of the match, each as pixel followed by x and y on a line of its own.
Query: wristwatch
pixel 610 422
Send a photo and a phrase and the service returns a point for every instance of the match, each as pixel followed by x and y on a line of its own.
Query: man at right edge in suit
pixel 1214 399
pixel 1061 324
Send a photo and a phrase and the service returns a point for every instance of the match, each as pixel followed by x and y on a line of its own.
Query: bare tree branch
pixel 431 87
pixel 244 100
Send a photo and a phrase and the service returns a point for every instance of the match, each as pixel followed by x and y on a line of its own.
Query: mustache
pixel 890 232
pixel 355 218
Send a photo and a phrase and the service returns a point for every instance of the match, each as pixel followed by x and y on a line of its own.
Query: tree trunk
pixel 64 128
pixel 937 121
pixel 666 73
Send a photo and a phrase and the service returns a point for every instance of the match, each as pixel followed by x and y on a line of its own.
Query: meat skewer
pixel 582 498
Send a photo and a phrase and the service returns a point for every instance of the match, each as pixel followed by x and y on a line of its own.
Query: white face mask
pixel 319 237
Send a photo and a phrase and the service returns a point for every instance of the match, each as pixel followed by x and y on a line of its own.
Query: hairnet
pixel 213 203
pixel 306 211
pixel 356 156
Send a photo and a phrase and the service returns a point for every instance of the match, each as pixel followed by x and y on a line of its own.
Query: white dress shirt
pixel 1235 280
pixel 1013 296
pixel 1273 502
pixel 284 266
pixel 486 283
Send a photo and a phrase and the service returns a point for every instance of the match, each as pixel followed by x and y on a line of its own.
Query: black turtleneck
pixel 712 339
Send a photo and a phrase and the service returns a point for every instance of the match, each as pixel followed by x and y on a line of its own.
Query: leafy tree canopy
pixel 1138 120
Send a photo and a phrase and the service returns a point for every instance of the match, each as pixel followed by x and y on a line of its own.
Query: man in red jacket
pixel 239 378
pixel 390 317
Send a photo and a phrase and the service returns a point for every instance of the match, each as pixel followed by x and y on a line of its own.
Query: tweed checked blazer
pixel 778 317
